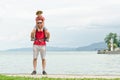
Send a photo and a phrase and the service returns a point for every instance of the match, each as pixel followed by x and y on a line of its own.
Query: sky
pixel 72 23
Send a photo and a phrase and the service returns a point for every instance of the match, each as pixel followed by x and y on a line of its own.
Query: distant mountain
pixel 91 47
pixel 20 49
pixel 60 49
pixel 48 49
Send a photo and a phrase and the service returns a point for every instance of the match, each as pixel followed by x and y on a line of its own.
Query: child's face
pixel 39 15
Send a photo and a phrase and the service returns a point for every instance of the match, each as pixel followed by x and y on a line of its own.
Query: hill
pixel 91 47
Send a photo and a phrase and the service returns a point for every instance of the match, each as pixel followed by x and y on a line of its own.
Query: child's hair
pixel 39 12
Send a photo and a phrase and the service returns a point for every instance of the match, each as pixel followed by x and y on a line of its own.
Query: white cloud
pixel 85 17
pixel 96 13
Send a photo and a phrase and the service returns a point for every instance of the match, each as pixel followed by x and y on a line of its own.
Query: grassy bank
pixel 3 77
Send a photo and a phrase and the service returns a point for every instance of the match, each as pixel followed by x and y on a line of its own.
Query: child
pixel 40 17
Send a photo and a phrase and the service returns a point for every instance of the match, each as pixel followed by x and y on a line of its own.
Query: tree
pixel 112 36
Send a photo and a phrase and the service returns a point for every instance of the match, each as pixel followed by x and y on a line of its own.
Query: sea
pixel 61 62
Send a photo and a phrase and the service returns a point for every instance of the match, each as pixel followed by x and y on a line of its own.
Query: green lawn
pixel 3 77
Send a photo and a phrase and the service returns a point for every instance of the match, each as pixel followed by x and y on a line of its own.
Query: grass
pixel 4 77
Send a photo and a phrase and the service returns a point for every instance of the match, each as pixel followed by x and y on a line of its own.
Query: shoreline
pixel 64 76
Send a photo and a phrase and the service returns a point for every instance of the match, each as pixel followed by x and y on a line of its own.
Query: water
pixel 89 63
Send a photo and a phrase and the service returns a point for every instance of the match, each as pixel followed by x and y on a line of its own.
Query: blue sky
pixel 72 23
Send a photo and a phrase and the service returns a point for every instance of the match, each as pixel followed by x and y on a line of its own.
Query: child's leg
pixel 33 34
pixel 47 35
